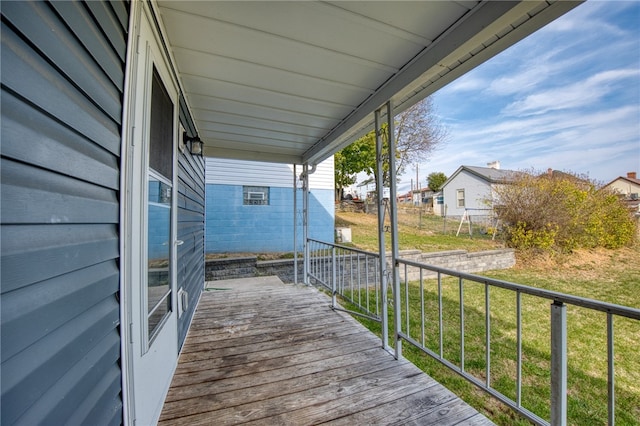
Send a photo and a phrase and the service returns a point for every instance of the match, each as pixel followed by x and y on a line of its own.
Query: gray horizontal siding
pixel 37 80
pixel 191 210
pixel 61 199
pixel 62 82
pixel 81 22
pixel 53 146
pixel 31 312
pixel 33 253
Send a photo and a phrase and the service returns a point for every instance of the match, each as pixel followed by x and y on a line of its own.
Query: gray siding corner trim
pixel 62 82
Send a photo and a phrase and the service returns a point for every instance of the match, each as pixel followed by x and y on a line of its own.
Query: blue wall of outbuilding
pixel 234 227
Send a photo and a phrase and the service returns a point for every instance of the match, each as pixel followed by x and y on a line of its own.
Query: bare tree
pixel 418 133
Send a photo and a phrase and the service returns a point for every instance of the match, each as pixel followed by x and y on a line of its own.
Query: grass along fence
pixel 498 336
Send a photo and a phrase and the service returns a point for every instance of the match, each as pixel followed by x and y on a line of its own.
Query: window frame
pixel 252 189
pixel 460 201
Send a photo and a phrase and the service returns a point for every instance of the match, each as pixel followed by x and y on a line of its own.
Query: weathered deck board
pixel 262 352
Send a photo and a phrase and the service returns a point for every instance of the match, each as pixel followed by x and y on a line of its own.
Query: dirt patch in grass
pixel 351 218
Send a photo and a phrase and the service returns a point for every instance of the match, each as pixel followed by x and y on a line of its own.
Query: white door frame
pixel 139 361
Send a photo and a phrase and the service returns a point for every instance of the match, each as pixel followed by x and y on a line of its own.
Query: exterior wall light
pixel 195 143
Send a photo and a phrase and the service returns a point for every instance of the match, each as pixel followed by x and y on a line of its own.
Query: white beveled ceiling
pixel 295 81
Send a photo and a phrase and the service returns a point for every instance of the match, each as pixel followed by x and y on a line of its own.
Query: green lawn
pixel 421 232
pixel 611 276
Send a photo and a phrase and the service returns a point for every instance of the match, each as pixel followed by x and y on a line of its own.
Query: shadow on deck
pixel 263 352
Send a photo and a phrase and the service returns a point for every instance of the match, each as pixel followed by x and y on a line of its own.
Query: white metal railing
pixel 349 273
pixel 344 271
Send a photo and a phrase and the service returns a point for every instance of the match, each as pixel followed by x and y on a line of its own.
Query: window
pixel 460 197
pixel 255 195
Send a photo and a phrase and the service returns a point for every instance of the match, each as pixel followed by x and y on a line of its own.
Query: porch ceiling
pixel 294 82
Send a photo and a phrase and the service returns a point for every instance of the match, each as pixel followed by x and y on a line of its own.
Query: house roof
pixel 626 179
pixel 294 82
pixel 488 174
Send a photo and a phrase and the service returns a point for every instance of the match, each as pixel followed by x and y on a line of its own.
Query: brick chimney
pixel 631 175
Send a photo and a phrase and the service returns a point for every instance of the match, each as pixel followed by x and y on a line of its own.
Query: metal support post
pixel 384 315
pixel 295 225
pixel 305 221
pixel 558 364
pixel 393 213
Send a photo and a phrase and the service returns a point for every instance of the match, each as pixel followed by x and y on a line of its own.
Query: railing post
pixel 558 364
pixel 334 276
pixel 611 377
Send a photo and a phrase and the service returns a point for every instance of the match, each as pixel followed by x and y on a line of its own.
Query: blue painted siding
pixel 234 227
pixel 191 200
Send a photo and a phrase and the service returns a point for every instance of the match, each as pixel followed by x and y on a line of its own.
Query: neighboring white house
pixel 469 188
pixel 629 186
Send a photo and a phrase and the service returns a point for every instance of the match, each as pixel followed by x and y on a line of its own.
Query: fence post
pixel 558 364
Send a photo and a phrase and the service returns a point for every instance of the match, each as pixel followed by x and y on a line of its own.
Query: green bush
pixel 521 236
pixel 561 213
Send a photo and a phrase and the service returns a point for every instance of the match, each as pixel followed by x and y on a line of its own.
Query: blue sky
pixel 566 97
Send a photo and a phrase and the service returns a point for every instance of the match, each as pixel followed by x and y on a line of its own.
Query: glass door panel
pixel 159 254
pixel 159 202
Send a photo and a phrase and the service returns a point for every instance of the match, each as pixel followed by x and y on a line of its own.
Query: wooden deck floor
pixel 262 352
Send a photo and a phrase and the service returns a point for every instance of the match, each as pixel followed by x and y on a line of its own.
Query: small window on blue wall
pixel 255 195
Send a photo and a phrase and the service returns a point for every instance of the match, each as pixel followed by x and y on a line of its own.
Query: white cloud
pixel 602 142
pixel 467 83
pixel 579 94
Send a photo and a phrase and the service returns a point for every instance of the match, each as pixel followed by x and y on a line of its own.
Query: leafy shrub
pixel 561 213
pixel 523 237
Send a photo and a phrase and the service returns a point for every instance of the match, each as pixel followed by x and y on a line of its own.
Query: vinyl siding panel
pixel 63 199
pixel 256 173
pixel 53 146
pixel 323 177
pixel 191 211
pixel 62 81
pixel 237 172
pixel 42 84
pixel 81 23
